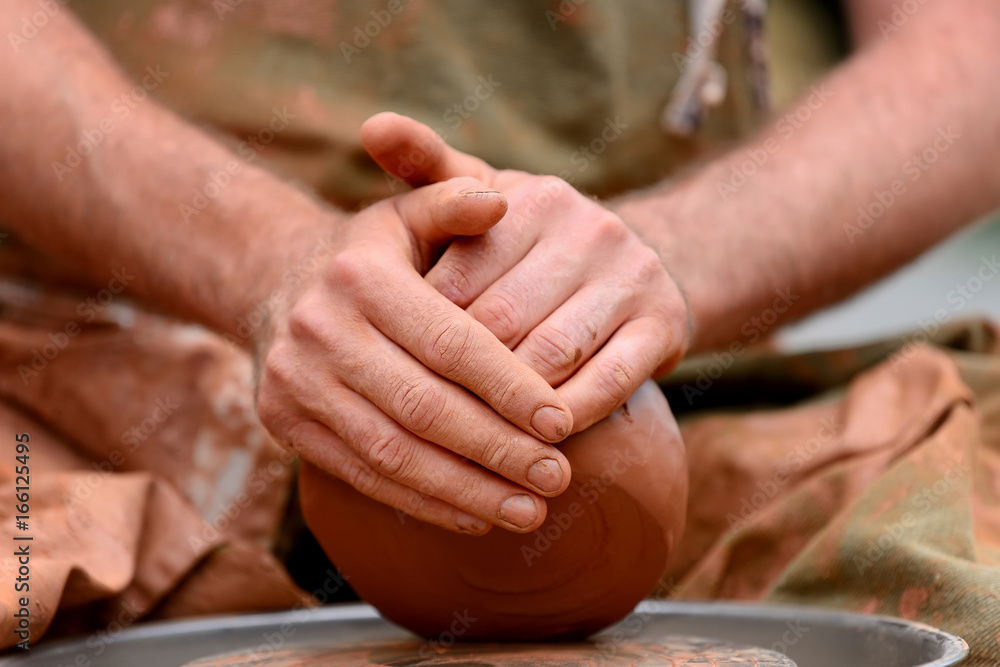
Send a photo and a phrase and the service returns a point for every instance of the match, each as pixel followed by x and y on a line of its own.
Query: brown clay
pixel 601 549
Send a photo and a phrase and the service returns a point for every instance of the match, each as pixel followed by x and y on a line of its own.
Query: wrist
pixel 714 260
pixel 279 260
pixel 647 214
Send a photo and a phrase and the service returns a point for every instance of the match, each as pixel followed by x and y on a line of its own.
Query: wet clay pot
pixel 602 547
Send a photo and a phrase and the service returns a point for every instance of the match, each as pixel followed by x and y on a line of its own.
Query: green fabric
pixel 551 78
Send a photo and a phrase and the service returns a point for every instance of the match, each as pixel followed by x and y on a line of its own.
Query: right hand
pixel 370 374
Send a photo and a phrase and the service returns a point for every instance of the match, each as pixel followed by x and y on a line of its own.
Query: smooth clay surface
pixel 602 548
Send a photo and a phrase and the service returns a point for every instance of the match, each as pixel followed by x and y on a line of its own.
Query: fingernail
pixel 551 423
pixel 470 524
pixel 519 510
pixel 546 475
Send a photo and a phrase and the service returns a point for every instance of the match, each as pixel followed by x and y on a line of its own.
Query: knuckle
pixel 498 453
pixel 432 481
pixel 500 316
pixel 449 346
pixel 390 455
pixel 555 187
pixel 269 411
pixel 361 477
pixel 415 504
pixel 615 382
pixel 608 228
pixel 506 394
pixel 473 496
pixel 541 194
pixel 274 401
pixel 348 270
pixel 456 280
pixel 278 424
pixel 276 377
pixel 306 320
pixel 554 350
pixel 420 406
pixel 648 265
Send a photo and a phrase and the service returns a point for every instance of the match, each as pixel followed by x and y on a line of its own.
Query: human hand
pixel 370 374
pixel 561 280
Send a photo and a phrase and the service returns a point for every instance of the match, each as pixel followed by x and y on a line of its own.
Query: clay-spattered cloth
pixel 861 479
pixel 866 480
pixel 154 492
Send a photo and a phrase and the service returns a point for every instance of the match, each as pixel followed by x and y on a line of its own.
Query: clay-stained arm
pixel 899 152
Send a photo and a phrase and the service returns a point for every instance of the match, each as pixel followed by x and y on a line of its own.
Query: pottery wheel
pixel 675 651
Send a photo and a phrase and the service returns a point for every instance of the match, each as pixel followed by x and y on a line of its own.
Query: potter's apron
pixel 157 494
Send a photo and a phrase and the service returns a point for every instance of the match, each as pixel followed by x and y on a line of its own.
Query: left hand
pixel 560 280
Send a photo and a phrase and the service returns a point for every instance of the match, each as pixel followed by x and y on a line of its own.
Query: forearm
pixel 131 201
pixel 741 231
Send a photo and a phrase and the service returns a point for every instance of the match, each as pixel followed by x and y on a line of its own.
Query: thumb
pixel 413 152
pixel 456 207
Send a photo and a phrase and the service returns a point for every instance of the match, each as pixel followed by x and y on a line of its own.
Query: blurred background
pixel 807 37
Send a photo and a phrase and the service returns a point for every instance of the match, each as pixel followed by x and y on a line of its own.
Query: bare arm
pixel 121 204
pixel 364 368
pixel 820 218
